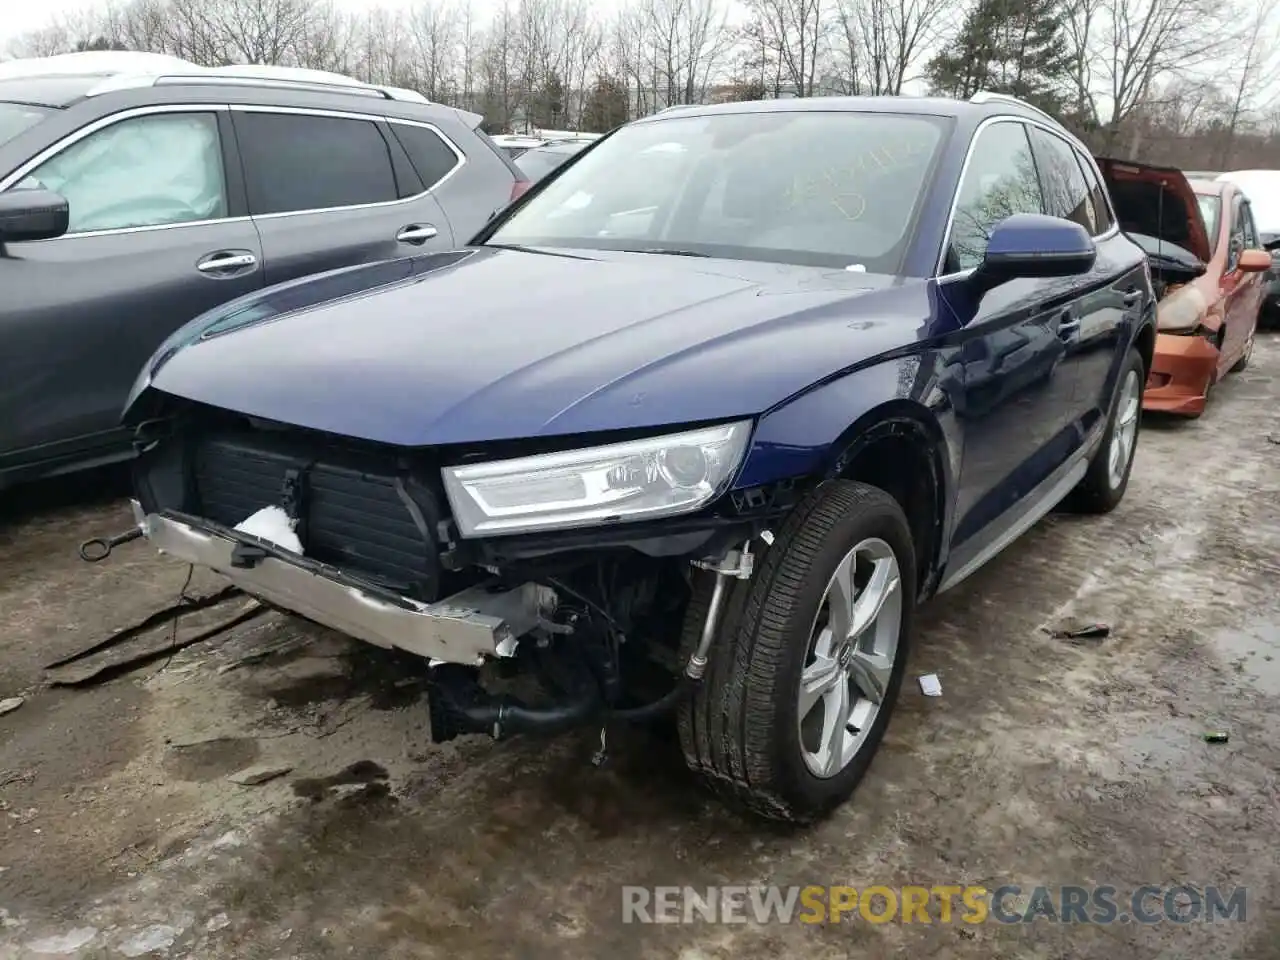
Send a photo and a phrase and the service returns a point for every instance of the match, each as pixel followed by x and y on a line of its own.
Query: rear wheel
pixel 1103 486
pixel 807 667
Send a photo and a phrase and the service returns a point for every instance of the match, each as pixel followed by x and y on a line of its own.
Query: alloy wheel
pixel 853 648
pixel 1124 433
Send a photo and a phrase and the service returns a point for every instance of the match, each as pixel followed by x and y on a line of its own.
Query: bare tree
pixel 433 34
pixel 686 40
pixel 1135 44
pixel 1257 67
pixel 879 44
pixel 793 32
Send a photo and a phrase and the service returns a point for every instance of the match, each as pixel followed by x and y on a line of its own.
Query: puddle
pixel 1254 652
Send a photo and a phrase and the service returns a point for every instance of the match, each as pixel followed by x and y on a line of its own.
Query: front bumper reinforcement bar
pixel 479 622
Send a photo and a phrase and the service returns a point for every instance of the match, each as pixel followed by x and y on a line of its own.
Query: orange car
pixel 1207 266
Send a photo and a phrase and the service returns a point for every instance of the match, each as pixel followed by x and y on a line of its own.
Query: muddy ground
pixel 1043 761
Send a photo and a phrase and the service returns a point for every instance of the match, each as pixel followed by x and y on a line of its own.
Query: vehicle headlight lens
pixel 634 480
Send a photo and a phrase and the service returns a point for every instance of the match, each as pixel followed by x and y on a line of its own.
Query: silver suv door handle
pixel 218 262
pixel 417 233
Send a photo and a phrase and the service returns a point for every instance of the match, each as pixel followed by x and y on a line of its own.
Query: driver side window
pixel 146 171
pixel 999 182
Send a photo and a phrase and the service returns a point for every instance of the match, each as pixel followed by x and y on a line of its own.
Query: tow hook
pixel 99 548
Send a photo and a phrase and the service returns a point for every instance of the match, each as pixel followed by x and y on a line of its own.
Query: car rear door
pixel 1017 400
pixel 158 235
pixel 329 189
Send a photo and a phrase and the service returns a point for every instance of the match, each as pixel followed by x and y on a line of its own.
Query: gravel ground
pixel 1043 762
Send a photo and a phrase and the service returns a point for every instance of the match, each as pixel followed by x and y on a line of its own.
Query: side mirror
pixel 1253 261
pixel 1034 245
pixel 33 215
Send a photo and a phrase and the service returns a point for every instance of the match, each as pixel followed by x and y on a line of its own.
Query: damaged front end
pixel 433 552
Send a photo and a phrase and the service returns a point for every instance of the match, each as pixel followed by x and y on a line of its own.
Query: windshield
pixel 16 117
pixel 537 163
pixel 819 188
pixel 1262 187
pixel 1210 210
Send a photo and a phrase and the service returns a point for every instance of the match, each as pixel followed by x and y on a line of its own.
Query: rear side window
pixel 431 156
pixel 298 162
pixel 1097 194
pixel 1065 192
pixel 1251 239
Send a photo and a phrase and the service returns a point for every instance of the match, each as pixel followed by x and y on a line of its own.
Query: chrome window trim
pixel 369 118
pixel 102 123
pixel 110 120
pixel 1063 135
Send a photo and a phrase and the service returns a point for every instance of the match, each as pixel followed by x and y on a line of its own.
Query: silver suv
pixel 138 191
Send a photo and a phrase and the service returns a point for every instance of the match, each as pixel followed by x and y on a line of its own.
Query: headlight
pixel 635 480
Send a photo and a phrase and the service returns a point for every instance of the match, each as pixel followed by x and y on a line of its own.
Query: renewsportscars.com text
pixel 943 904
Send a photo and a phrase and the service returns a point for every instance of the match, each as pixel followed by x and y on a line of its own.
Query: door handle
pixel 417 233
pixel 1132 297
pixel 220 262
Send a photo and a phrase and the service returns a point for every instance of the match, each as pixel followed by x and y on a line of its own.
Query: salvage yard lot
pixel 1044 762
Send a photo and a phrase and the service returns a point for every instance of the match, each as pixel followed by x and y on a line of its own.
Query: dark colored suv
pixel 138 191
pixel 728 425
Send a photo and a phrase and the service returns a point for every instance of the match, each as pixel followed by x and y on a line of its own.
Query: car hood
pixel 491 344
pixel 1158 202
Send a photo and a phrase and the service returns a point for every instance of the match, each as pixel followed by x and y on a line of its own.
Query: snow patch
pixel 273 525
pixel 63 944
pixel 158 937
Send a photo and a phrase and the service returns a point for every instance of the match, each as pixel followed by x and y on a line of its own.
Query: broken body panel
pixel 1209 293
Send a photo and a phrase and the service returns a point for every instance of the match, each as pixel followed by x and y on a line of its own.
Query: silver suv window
pixel 301 161
pixel 16 117
pixel 154 170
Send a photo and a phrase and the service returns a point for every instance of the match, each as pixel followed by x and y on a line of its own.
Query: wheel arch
pixel 900 448
pixel 1145 342
pixel 901 445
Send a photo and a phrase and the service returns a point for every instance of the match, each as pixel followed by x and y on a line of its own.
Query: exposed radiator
pixel 355 513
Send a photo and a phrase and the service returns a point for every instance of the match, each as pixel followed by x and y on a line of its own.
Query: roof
pixel 71 76
pixel 45 91
pixel 983 104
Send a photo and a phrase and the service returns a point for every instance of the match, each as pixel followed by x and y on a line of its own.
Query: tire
pixel 1101 490
pixel 1242 364
pixel 740 730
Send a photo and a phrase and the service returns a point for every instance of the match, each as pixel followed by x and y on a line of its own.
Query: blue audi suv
pixel 686 433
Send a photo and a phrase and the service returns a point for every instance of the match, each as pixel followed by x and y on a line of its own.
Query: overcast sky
pixel 21 16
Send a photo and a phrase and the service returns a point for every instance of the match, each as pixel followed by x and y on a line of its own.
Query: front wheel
pixel 807 667
pixel 1103 486
pixel 1242 364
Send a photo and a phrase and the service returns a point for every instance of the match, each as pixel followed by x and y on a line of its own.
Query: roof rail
pixel 988 96
pixel 256 76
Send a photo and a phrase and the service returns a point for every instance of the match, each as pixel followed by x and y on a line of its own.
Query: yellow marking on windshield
pixel 836 184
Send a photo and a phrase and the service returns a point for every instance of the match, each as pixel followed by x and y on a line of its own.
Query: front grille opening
pixel 359 514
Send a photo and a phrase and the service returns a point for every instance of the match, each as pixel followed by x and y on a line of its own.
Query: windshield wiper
pixel 669 253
